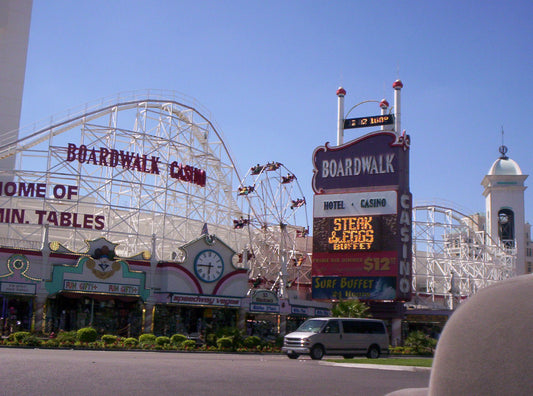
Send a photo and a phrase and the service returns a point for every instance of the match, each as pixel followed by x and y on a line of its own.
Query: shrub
pixel 32 341
pixel 25 338
pixel 177 339
pixel 147 339
pixel 162 340
pixel 421 343
pixel 400 350
pixel 225 343
pixel 67 337
pixel 251 341
pixel 108 339
pixel 407 351
pixel 211 339
pixel 131 342
pixel 231 332
pixel 18 336
pixel 188 344
pixel 52 343
pixel 87 334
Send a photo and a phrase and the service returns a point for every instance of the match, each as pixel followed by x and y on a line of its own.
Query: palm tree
pixel 351 309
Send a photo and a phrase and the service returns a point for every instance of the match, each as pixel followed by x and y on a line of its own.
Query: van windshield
pixel 311 326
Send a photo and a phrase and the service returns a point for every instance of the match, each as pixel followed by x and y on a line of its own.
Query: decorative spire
pixel 503 149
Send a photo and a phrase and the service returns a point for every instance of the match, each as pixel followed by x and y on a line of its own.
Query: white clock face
pixel 208 265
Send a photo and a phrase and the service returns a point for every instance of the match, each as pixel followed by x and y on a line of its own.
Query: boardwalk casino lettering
pixel 404 280
pixel 103 156
pixel 371 165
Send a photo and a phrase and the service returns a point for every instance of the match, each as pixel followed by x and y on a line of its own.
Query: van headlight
pixel 305 342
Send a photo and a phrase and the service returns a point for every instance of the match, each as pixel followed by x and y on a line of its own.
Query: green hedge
pixel 67 337
pixel 147 339
pixel 32 341
pixel 18 336
pixel 24 338
pixel 162 341
pixel 251 341
pixel 188 344
pixel 108 339
pixel 225 343
pixel 131 342
pixel 177 339
pixel 87 334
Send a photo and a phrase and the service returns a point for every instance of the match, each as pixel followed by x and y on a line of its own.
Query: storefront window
pixel 108 315
pixel 294 321
pixel 262 325
pixel 192 321
pixel 15 313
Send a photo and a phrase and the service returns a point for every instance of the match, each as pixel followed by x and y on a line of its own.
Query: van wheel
pixel 292 355
pixel 317 352
pixel 373 352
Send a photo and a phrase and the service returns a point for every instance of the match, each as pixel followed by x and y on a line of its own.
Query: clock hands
pixel 209 266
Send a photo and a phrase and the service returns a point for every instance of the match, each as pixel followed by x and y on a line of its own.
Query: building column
pixel 148 317
pixel 283 324
pixel 396 331
pixel 241 319
pixel 39 313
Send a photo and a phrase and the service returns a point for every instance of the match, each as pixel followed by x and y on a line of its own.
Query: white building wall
pixel 507 192
pixel 529 249
pixel 15 18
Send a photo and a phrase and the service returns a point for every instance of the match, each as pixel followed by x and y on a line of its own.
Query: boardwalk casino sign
pixel 362 219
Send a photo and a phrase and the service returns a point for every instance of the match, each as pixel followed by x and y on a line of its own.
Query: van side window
pixel 349 326
pixel 376 328
pixel 363 327
pixel 332 327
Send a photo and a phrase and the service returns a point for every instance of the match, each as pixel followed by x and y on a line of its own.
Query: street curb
pixel 412 369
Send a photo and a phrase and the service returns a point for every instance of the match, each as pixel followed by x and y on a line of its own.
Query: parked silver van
pixel 337 336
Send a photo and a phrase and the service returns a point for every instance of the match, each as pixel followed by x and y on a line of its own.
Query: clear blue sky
pixel 268 72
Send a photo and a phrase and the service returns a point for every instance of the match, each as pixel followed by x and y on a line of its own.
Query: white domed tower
pixel 504 203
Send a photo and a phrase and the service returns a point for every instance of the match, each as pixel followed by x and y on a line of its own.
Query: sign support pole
pixel 340 115
pixel 397 85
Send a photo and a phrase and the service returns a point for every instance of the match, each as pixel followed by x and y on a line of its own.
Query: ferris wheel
pixel 277 225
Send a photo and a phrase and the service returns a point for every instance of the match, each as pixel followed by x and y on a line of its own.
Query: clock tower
pixel 504 202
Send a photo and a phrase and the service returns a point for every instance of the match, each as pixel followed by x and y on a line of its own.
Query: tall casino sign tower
pixel 362 209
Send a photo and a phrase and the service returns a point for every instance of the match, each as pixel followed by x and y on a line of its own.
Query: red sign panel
pixel 355 264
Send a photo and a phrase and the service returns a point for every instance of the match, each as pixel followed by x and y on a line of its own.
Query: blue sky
pixel 268 72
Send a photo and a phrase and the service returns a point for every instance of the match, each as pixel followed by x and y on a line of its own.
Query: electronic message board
pixel 359 233
pixel 372 121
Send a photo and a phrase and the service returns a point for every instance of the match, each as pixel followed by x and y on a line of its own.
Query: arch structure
pixel 453 257
pixel 143 170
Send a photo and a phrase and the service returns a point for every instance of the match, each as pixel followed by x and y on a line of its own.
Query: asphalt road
pixel 73 372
